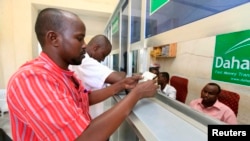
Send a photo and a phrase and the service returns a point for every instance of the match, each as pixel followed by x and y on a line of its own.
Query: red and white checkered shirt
pixel 45 104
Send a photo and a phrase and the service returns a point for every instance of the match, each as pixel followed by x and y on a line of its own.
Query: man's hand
pixel 131 82
pixel 146 89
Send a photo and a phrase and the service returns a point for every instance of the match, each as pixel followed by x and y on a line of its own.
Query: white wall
pixel 18 42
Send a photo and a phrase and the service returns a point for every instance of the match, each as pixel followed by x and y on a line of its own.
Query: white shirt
pixel 169 91
pixel 93 75
pixel 91 72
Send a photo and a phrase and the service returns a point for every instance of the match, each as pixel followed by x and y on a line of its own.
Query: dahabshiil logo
pixel 244 43
pixel 233 62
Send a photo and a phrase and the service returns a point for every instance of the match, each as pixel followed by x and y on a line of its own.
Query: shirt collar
pixel 53 65
pixel 216 104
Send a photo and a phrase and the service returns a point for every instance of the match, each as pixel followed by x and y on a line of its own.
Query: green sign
pixel 157 4
pixel 115 25
pixel 232 58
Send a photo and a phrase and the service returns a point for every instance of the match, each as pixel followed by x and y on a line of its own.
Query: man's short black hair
pixel 215 84
pixel 165 75
pixel 153 68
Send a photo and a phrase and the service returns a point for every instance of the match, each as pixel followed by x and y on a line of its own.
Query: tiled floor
pixel 5 124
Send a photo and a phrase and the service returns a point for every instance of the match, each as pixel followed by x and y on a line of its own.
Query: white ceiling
pixel 95 18
pixel 95 23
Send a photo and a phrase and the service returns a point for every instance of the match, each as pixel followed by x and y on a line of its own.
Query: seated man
pixel 165 87
pixel 210 105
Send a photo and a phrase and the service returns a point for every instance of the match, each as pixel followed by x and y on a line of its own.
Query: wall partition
pixel 136 25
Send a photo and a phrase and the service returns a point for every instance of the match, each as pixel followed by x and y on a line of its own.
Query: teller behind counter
pixel 162 118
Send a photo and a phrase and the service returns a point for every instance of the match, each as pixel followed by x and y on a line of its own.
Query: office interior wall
pixel 5 23
pixel 195 51
pixel 18 42
pixel 15 38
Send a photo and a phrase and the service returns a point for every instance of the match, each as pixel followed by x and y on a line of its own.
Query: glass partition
pixel 157 19
pixel 107 60
pixel 115 40
pixel 116 62
pixel 165 15
pixel 115 32
pixel 135 20
pixel 135 65
pixel 124 37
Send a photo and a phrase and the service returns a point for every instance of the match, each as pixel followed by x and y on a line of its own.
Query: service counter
pixel 160 119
